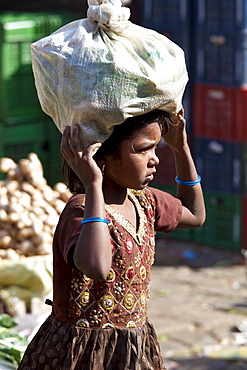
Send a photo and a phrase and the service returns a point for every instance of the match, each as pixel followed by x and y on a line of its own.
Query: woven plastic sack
pixel 100 70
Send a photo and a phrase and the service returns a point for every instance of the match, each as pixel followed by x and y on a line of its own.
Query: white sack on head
pixel 100 70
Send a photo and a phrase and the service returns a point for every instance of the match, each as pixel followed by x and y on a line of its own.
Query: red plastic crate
pixel 220 112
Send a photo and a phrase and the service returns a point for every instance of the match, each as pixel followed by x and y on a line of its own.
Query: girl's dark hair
pixel 126 130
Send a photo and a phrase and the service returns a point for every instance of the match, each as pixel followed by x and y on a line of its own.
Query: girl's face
pixel 137 162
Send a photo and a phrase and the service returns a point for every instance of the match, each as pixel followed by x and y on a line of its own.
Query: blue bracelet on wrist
pixel 94 219
pixel 188 183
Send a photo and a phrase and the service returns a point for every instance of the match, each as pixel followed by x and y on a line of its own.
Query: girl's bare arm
pixel 193 214
pixel 92 254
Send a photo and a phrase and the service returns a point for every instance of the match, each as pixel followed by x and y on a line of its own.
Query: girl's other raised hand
pixel 80 160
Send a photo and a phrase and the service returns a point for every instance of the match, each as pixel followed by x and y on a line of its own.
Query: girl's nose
pixel 154 160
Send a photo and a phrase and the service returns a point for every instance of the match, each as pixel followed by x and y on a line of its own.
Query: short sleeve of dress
pixel 69 226
pixel 168 210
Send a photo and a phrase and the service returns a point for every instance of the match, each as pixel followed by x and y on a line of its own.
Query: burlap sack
pixel 100 70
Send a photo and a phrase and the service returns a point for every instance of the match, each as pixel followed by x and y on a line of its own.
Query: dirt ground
pixel 198 305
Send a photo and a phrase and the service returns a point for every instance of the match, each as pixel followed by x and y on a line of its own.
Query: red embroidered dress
pixel 103 324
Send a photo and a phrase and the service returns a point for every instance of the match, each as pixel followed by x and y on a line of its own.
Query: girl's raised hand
pixel 80 161
pixel 176 136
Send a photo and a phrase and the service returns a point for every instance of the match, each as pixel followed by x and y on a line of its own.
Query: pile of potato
pixel 29 208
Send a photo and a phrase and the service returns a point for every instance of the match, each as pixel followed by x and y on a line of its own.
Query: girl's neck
pixel 115 196
pixel 113 193
pixel 121 203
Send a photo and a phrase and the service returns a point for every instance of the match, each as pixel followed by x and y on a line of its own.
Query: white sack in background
pixel 100 70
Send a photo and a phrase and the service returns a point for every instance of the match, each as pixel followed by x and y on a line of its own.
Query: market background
pixel 213 34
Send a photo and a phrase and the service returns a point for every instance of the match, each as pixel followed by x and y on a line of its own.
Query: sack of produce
pixel 100 70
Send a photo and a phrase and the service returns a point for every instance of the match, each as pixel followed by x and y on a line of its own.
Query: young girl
pixel 104 247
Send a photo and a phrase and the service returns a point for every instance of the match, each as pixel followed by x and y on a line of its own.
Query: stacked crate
pixel 24 128
pixel 172 18
pixel 213 34
pixel 219 117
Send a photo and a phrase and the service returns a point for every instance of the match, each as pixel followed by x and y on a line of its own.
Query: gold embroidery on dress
pixel 126 224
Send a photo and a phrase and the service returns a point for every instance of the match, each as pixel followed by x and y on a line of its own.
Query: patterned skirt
pixel 62 346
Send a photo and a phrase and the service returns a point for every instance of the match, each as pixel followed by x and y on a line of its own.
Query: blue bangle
pixel 188 183
pixel 94 219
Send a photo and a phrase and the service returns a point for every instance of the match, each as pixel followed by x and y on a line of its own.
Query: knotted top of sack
pixel 109 14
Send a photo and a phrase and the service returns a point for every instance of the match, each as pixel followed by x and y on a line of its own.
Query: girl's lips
pixel 150 177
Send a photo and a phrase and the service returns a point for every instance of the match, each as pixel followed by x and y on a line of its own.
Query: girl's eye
pixel 146 149
pixel 143 150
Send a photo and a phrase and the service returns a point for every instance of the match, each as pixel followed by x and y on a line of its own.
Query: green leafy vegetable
pixel 6 321
pixel 12 345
